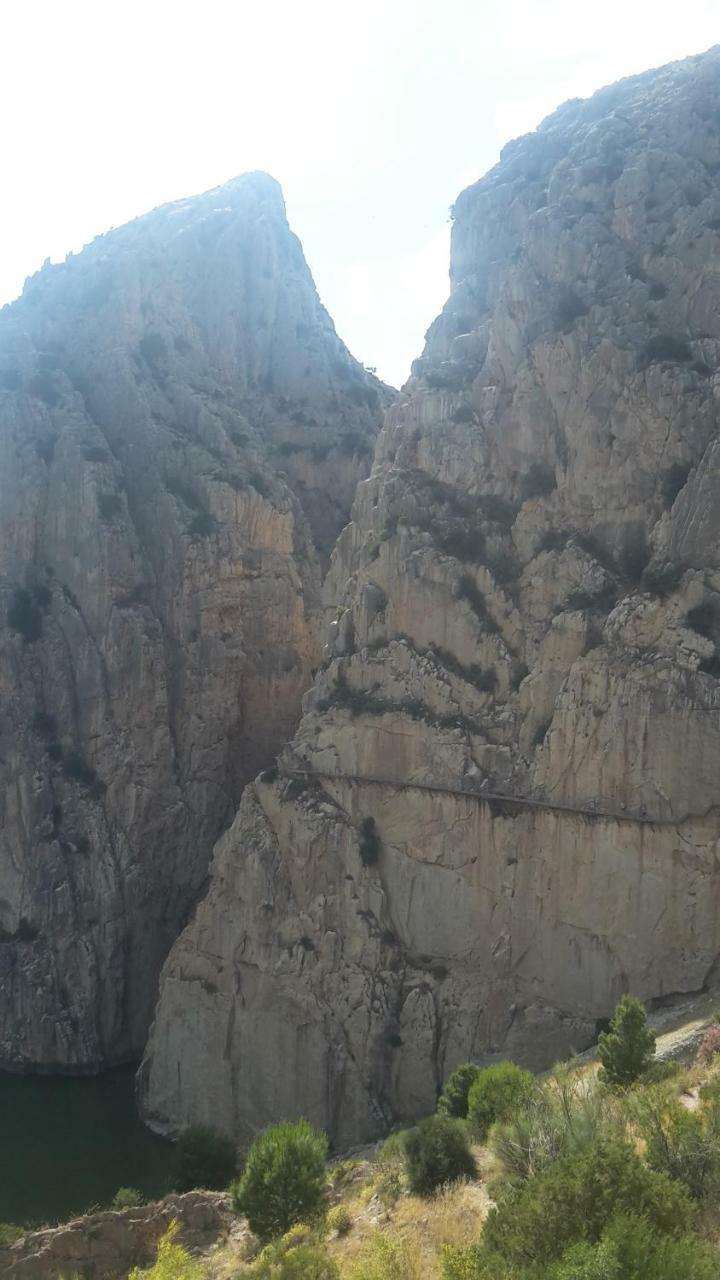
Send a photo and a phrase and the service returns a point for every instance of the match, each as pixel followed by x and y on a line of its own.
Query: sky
pixel 373 116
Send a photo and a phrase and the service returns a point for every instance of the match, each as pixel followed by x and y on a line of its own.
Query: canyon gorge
pixel 433 674
pixel 499 810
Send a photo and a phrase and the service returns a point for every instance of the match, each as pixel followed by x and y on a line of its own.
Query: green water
pixel 67 1144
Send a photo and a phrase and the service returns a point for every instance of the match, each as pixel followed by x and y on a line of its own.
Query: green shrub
pixel 703 618
pixel 628 1048
pixel 587 1262
pixel 391 1160
pixel 464 413
pixel 631 1250
pixel 343 1172
pixel 539 481
pixel 664 347
pixel 308 1262
pixel 496 1093
pixel 205 1158
pixel 467 589
pixel 24 617
pixel 45 724
pixel 339 1219
pixel 498 510
pixel 9 1233
pixel 259 483
pixel 563 1116
pixel 127 1198
pixel 504 567
pixel 486 681
pixel 284 1178
pixel 576 1197
pixel 109 506
pixel 635 552
pixel 463 542
pixel 711 666
pixel 681 1143
pixel 173 1262
pixel 202 525
pixel 453 1100
pixel 271 1259
pixel 553 540
pixel 659 1071
pixel 389 1187
pixel 474 1263
pixel 152 347
pixel 392 1150
pixel 370 845
pixel 297 1256
pixel 76 766
pixel 661 579
pixel 387 1257
pixel 579 600
pixel 437 1151
pixel 518 673
pixel 568 308
pixel 674 479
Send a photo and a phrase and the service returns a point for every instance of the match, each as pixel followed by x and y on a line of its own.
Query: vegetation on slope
pixel 582 1175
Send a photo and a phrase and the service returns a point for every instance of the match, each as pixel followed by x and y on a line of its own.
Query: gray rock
pixel 181 433
pixel 515 510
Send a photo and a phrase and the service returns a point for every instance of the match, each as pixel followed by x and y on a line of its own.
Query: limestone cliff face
pixel 181 433
pixel 526 604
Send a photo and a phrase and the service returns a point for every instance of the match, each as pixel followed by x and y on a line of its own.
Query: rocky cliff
pixel 181 433
pixel 501 807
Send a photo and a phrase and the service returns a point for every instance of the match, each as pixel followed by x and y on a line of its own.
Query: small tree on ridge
pixel 628 1048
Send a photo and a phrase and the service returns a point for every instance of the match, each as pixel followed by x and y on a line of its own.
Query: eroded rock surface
pixel 106 1245
pixel 181 433
pixel 526 604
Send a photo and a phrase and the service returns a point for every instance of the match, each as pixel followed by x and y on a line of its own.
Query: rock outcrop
pixel 181 434
pixel 501 807
pixel 107 1244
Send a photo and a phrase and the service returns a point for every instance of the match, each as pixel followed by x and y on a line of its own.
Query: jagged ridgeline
pixel 500 808
pixel 181 434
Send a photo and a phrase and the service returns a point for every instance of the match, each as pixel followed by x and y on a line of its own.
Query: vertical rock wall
pixel 500 808
pixel 181 432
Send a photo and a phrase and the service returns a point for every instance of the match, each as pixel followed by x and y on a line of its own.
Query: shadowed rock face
pixel 181 433
pixel 529 605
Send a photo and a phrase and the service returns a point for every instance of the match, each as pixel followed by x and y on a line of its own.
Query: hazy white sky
pixel 372 115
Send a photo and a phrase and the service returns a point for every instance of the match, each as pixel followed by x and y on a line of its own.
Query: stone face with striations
pixel 525 604
pixel 181 433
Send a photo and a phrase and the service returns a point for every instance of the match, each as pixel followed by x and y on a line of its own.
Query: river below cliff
pixel 68 1143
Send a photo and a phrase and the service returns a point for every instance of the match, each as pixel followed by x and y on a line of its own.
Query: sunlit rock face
pixel 181 434
pixel 527 604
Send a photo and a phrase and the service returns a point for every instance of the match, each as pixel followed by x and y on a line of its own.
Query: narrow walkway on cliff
pixel 589 810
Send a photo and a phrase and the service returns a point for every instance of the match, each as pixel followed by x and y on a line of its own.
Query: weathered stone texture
pixel 526 602
pixel 107 1244
pixel 181 431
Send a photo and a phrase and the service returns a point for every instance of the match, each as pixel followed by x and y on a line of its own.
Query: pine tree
pixel 628 1048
